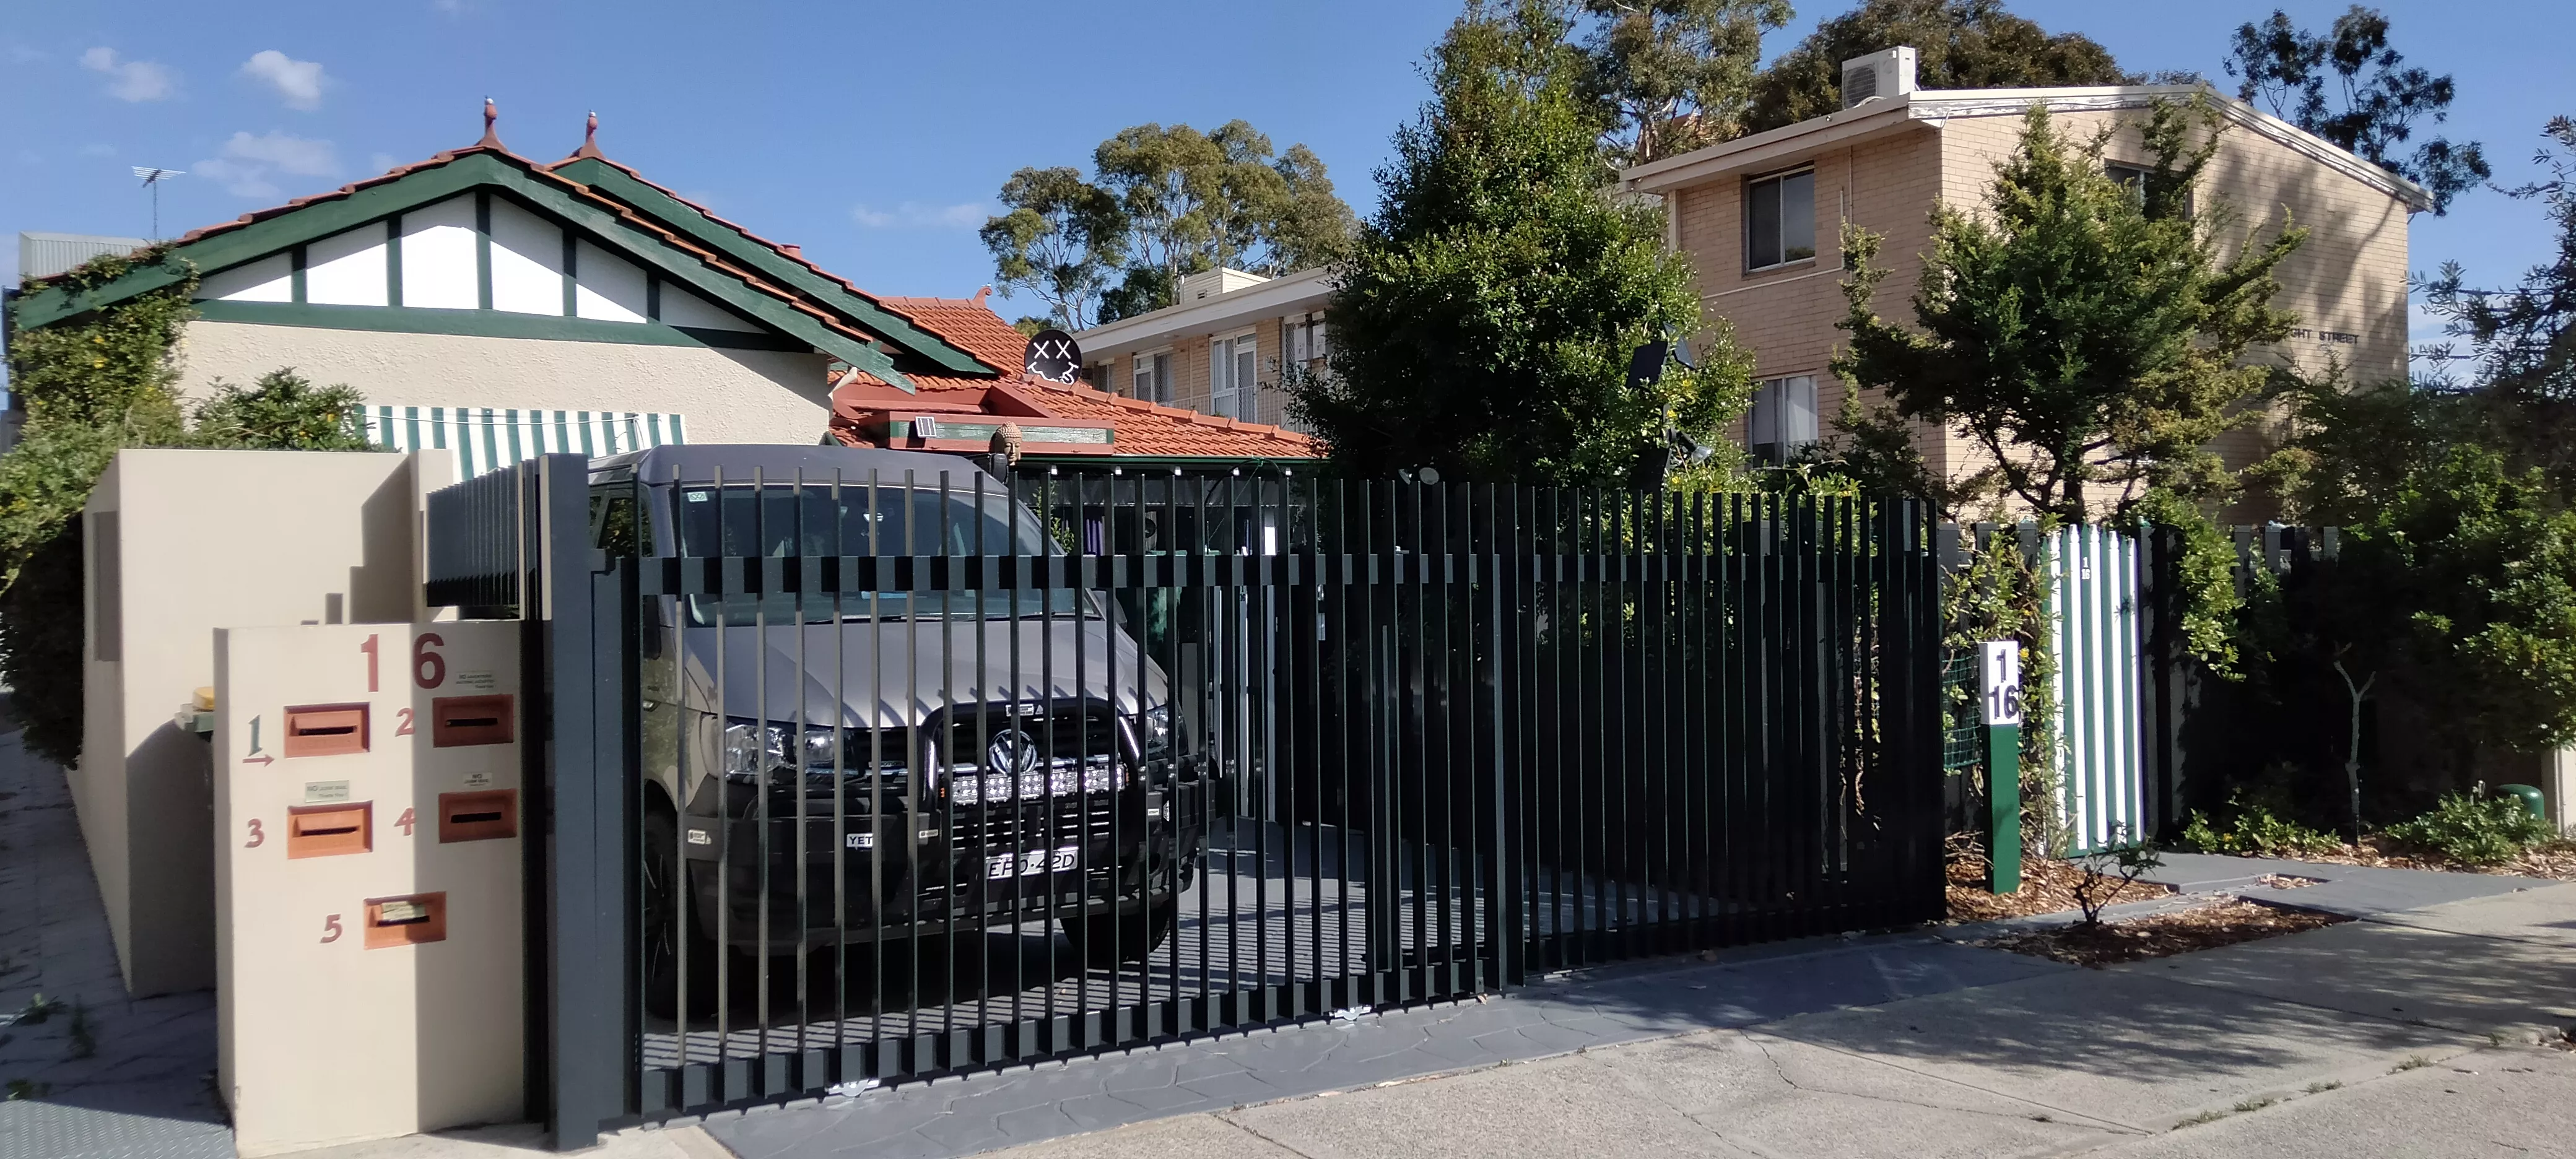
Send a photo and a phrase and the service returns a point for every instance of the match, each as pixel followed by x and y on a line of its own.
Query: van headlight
pixel 752 749
pixel 1154 727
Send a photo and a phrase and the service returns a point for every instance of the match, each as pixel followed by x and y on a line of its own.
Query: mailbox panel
pixel 472 720
pixel 321 730
pixel 366 997
pixel 408 920
pixel 478 816
pixel 330 830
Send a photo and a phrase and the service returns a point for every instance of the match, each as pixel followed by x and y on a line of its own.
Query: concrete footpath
pixel 2410 1032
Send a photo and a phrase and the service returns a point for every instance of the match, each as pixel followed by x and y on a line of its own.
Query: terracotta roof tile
pixel 1144 429
pixel 968 324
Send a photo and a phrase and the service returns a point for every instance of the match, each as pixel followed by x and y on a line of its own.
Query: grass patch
pixel 2203 1117
pixel 2250 1106
pixel 2413 1062
pixel 2321 1088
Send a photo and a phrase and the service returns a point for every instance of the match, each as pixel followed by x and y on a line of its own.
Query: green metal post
pixel 1999 688
pixel 2003 809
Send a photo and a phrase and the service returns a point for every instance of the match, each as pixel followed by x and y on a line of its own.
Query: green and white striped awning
pixel 486 438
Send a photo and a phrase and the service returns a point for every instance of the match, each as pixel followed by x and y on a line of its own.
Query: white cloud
pixel 247 162
pixel 914 215
pixel 133 80
pixel 298 82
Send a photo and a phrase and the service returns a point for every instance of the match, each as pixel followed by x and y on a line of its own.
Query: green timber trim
pixel 669 211
pixel 490 324
pixel 393 260
pixel 480 171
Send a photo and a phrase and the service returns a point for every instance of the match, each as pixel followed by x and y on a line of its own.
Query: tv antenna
pixel 152 179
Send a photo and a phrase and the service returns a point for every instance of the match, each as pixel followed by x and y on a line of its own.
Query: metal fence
pixel 927 774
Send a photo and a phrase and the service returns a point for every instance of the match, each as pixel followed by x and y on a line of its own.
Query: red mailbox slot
pixel 470 720
pixel 478 816
pixel 321 730
pixel 329 830
pixel 406 921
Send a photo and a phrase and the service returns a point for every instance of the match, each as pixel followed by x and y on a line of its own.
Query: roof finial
pixel 589 139
pixel 491 117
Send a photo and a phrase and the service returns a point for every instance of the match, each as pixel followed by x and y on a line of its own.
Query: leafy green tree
pixel 1484 322
pixel 284 411
pixel 1676 74
pixel 2456 590
pixel 1959 44
pixel 1057 240
pixel 1164 203
pixel 2520 339
pixel 2376 99
pixel 92 386
pixel 2085 335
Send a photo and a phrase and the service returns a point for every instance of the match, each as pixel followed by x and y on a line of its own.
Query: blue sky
pixel 875 135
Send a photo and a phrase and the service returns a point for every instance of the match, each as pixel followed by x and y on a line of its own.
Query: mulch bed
pixel 2047 887
pixel 2158 935
pixel 2555 860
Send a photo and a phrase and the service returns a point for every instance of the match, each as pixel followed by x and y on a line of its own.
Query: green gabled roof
pixel 679 256
pixel 612 180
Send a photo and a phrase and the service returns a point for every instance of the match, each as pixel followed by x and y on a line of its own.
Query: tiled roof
pixel 968 324
pixel 1143 429
pixel 1150 430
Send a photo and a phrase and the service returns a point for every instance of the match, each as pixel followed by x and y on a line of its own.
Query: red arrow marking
pixel 261 759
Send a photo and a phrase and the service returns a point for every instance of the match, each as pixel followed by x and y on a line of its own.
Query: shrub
pixel 2255 827
pixel 2473 828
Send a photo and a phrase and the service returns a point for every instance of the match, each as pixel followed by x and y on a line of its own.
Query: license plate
pixel 1030 862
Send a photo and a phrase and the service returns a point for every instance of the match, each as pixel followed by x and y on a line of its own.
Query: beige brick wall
pixel 1190 371
pixel 2346 284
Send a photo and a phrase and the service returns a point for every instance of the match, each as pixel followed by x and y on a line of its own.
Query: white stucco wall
pixel 726 396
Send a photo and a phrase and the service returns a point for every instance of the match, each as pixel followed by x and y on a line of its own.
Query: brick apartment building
pixel 1220 349
pixel 1761 217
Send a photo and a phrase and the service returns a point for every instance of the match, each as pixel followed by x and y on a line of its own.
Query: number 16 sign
pixel 2000 682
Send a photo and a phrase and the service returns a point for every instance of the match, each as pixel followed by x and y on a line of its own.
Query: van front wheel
pixel 1110 939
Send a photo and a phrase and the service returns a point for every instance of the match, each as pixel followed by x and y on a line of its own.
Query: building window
pixel 1780 220
pixel 2134 179
pixel 1784 418
pixel 1305 337
pixel 1154 377
pixel 1234 376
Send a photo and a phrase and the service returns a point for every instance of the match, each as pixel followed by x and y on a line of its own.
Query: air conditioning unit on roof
pixel 1889 72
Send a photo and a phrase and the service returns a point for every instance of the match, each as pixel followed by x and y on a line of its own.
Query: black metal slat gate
pixel 884 777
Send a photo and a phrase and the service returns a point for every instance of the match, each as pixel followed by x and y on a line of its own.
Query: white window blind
pixel 1784 417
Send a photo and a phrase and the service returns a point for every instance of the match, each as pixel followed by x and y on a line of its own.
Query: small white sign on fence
pixel 1999 683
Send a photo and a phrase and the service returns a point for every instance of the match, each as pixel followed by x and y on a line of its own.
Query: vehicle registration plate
pixel 1030 862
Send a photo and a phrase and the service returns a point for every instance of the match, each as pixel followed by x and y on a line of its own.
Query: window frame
pixel 1159 363
pixel 1779 179
pixel 1777 450
pixel 1226 389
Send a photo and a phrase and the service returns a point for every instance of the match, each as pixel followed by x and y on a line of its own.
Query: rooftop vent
pixel 1224 280
pixel 1889 72
pixel 42 255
